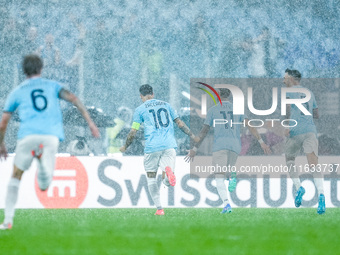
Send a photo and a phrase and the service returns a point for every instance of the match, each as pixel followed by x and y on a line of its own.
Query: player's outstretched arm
pixel 129 139
pixel 185 129
pixel 254 132
pixel 70 97
pixel 3 126
pixel 192 153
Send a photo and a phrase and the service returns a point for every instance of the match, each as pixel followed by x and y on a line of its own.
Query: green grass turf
pixel 180 231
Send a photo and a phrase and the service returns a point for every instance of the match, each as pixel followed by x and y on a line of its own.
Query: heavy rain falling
pixel 131 91
pixel 104 50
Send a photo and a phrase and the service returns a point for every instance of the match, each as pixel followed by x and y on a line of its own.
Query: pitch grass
pixel 180 231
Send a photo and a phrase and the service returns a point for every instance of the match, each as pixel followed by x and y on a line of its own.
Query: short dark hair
pixel 32 64
pixel 146 89
pixel 224 92
pixel 294 73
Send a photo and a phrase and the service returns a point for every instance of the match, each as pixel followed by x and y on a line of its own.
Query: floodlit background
pixel 104 50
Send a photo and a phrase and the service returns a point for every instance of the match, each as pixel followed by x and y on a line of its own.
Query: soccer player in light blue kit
pixel 227 143
pixel 41 129
pixel 303 135
pixel 160 144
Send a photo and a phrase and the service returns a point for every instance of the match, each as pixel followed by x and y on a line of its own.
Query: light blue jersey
pixel 158 117
pixel 305 123
pixel 37 101
pixel 226 137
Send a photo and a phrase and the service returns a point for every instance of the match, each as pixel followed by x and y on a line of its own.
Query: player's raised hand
pixel 266 149
pixel 3 152
pixel 190 156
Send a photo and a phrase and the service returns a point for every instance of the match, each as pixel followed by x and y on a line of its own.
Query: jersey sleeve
pixel 173 113
pixel 57 89
pixel 137 119
pixel 11 102
pixel 209 119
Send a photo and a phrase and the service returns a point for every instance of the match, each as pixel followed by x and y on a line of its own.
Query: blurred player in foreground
pixel 303 135
pixel 227 143
pixel 41 128
pixel 158 118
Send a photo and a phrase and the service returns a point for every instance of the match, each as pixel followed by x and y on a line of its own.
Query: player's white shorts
pixel 224 158
pixel 160 159
pixel 307 141
pixel 23 152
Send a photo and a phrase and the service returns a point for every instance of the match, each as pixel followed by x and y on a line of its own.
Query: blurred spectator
pixel 113 140
pixel 256 64
pixel 11 41
pixel 126 65
pixel 31 44
pixel 269 52
pixel 3 17
pixel 99 62
pixel 23 23
pixel 264 54
pixel 49 52
pixel 76 63
pixel 11 38
pixel 51 57
pixel 5 69
pixel 234 57
pixel 151 59
pixel 201 49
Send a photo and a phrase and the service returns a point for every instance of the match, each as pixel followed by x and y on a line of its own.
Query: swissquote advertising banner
pixel 120 182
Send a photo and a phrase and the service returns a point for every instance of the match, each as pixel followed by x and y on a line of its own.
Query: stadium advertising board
pixel 120 182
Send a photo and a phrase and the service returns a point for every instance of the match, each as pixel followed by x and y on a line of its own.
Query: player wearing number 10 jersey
pixel 160 144
pixel 41 128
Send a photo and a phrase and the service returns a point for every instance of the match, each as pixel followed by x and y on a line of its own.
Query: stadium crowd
pixel 104 50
